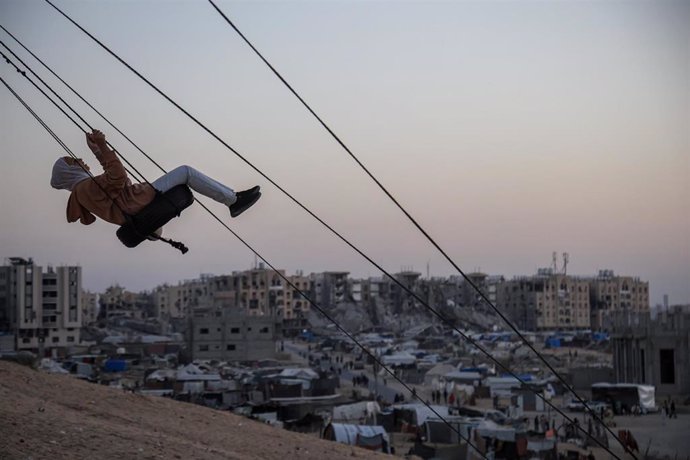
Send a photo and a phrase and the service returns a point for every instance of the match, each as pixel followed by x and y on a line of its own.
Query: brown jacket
pixel 88 197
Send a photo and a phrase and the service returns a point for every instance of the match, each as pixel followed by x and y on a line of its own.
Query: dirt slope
pixel 47 416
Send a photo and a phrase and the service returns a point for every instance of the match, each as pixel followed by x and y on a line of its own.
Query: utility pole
pixel 376 375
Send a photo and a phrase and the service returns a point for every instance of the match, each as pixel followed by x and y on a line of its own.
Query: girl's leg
pixel 196 181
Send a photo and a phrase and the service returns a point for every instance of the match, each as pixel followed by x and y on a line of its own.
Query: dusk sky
pixel 508 129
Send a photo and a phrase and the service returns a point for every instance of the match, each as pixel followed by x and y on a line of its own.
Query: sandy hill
pixel 48 416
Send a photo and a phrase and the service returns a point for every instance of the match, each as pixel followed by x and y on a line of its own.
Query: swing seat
pixel 163 208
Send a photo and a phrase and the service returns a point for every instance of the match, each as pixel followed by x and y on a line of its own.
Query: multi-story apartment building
pixel 401 301
pixel 117 302
pixel 465 295
pixel 224 292
pixel 372 291
pixel 546 301
pixel 230 335
pixel 290 303
pixel 255 292
pixel 610 293
pixel 179 301
pixel 89 307
pixel 330 288
pixel 42 309
pixel 258 291
pixel 384 296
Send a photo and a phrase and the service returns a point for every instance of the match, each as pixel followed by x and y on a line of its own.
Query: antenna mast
pixel 566 259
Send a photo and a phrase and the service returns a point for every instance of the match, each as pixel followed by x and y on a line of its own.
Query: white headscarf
pixel 66 176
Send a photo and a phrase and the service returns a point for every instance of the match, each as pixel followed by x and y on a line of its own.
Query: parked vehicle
pixel 576 406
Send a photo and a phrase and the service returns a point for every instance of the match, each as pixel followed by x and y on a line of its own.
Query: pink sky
pixel 508 129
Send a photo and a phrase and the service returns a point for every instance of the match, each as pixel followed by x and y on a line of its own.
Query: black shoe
pixel 249 191
pixel 245 200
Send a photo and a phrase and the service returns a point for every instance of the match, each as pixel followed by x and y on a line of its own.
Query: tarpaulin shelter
pixel 399 359
pixel 553 342
pixel 434 375
pixel 502 386
pixel 439 431
pixel 357 411
pixel 115 365
pixel 416 414
pixel 372 437
pixel 470 378
pixel 492 430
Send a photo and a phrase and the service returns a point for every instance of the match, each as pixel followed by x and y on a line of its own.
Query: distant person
pixel 111 194
pixel 672 413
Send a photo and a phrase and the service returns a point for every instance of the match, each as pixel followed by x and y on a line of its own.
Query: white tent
pixel 489 429
pixel 191 372
pixel 433 375
pixel 303 373
pixel 463 377
pixel 48 365
pixel 398 359
pixel 422 412
pixel 355 412
pixel 502 386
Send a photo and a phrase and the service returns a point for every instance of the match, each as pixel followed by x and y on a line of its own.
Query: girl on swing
pixel 111 194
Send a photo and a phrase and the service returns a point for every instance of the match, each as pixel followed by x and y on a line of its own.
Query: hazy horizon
pixel 507 129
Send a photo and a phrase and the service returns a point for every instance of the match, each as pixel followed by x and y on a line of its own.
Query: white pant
pixel 196 181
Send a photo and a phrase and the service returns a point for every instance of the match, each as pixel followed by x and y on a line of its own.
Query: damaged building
pixel 653 351
pixel 229 335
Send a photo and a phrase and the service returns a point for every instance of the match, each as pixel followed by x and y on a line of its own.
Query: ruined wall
pixel 653 351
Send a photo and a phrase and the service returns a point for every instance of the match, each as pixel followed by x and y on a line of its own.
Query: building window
pixel 203 330
pixel 70 338
pixel 234 330
pixel 203 347
pixel 667 366
pixel 264 330
pixel 231 347
pixel 26 340
pixel 56 339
